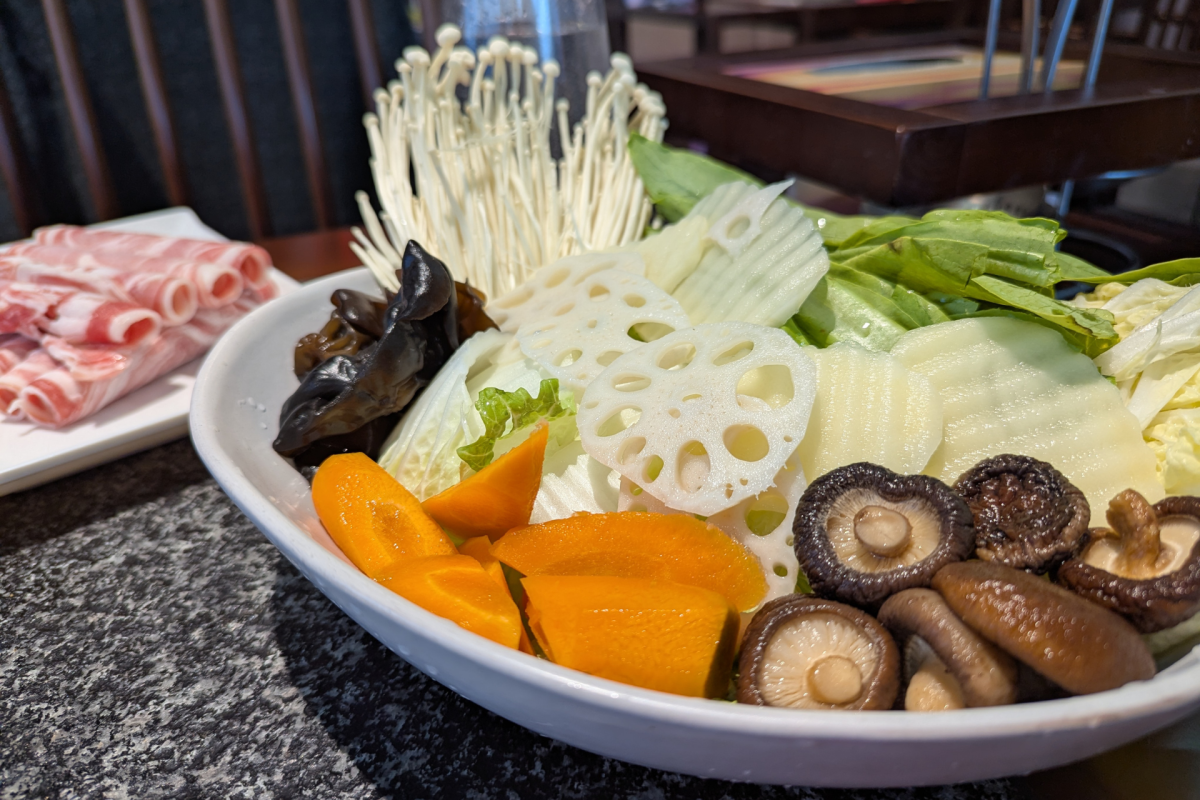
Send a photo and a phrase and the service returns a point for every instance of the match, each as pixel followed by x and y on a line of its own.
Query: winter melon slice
pixel 1009 386
pixel 870 407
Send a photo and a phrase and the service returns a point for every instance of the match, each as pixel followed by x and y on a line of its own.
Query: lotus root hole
pixel 687 398
pixel 589 405
pixel 630 449
pixel 770 384
pixel 607 357
pixel 766 513
pixel 568 358
pixel 746 443
pixel 598 292
pixel 692 467
pixel 674 412
pixel 732 354
pixel 564 310
pixel 540 343
pixel 676 356
pixel 630 383
pixel 649 331
pixel 634 300
pixel 653 469
pixel 620 420
pixel 591 323
pixel 556 277
pixel 780 570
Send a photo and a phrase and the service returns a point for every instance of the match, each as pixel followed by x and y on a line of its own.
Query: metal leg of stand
pixel 1031 13
pixel 1056 41
pixel 989 47
pixel 1093 66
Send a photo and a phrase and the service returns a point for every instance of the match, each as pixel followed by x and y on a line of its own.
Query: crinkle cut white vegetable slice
pixel 742 224
pixel 589 327
pixel 672 253
pixel 767 279
pixel 584 484
pixel 763 524
pixel 869 407
pixel 529 301
pixel 1009 386
pixel 702 418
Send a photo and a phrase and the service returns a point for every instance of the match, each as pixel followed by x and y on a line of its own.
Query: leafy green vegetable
pixel 1183 272
pixel 840 311
pixel 678 179
pixel 505 413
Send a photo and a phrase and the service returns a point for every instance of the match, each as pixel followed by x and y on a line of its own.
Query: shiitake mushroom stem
pixel 882 531
pixel 1136 525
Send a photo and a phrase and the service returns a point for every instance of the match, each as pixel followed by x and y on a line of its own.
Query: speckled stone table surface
pixel 154 644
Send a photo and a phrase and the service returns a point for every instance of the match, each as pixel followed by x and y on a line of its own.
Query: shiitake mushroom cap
pixel 1170 591
pixel 1077 644
pixel 836 532
pixel 1026 514
pixel 791 638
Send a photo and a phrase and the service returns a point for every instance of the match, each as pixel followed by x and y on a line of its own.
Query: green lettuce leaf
pixel 506 413
pixel 1182 272
pixel 840 311
pixel 678 179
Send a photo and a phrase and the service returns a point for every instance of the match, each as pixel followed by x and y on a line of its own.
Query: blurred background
pixel 87 86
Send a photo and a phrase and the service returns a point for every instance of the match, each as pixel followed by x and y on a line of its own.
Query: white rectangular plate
pixel 31 455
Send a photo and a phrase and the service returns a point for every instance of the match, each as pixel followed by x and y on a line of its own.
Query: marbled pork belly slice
pixel 250 260
pixel 146 278
pixel 57 399
pixel 13 349
pixel 14 380
pixel 79 317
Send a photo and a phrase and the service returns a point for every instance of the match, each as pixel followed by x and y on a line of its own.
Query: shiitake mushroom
pixel 1026 514
pixel 1146 565
pixel 945 664
pixel 1079 645
pixel 803 652
pixel 863 532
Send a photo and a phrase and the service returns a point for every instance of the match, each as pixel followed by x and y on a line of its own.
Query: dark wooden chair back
pixel 22 190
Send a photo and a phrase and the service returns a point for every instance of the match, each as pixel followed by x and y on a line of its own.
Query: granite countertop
pixel 154 644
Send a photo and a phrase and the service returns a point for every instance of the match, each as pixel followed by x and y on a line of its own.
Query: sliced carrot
pixel 478 548
pixel 373 519
pixel 458 588
pixel 498 497
pixel 654 634
pixel 629 544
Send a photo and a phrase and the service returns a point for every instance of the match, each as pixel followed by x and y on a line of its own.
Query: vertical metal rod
pixel 1056 40
pixel 1093 66
pixel 989 47
pixel 1031 12
pixel 1064 198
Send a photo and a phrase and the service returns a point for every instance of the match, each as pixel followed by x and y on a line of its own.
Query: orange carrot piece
pixel 632 544
pixel 458 588
pixel 654 634
pixel 373 519
pixel 498 497
pixel 478 548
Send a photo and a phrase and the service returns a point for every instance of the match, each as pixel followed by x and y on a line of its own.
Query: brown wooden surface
pixel 154 92
pixel 14 166
pixel 79 109
pixel 233 97
pixel 1145 112
pixel 366 51
pixel 310 255
pixel 304 104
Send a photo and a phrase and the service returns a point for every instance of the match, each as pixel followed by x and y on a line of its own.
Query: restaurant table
pixel 154 644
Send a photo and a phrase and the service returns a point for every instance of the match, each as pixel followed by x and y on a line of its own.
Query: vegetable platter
pixel 733 487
